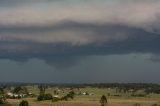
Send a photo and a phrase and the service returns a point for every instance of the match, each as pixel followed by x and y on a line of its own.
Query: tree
pixel 1 91
pixel 103 100
pixel 42 89
pixel 24 103
pixel 55 92
pixel 20 89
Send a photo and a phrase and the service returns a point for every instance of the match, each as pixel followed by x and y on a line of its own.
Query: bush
pixel 48 97
pixel 55 99
pixel 70 95
pixel 138 95
pixel 65 98
pixel 155 105
pixel 24 103
pixel 136 104
pixel 42 97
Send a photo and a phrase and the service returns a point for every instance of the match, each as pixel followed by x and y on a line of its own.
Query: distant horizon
pixel 48 83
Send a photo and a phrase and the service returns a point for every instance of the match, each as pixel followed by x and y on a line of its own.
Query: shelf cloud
pixel 54 30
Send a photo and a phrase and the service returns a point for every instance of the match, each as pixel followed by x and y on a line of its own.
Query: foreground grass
pixel 86 102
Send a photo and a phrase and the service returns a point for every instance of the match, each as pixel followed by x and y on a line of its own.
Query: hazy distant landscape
pixel 81 94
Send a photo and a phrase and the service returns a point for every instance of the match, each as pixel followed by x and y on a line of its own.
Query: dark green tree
pixel 1 91
pixel 20 89
pixel 24 103
pixel 103 100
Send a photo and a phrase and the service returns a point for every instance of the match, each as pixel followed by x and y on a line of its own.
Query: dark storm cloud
pixel 62 32
pixel 108 39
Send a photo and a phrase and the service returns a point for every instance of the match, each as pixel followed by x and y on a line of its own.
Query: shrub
pixel 136 104
pixel 55 99
pixel 87 93
pixel 48 97
pixel 138 95
pixel 70 95
pixel 65 98
pixel 24 103
pixel 42 97
pixel 155 105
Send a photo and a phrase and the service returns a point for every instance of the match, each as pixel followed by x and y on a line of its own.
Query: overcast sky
pixel 79 41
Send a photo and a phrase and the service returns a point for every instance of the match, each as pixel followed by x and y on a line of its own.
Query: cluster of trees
pixel 149 87
pixel 126 87
pixel 43 96
pixel 155 90
pixel 3 102
pixel 121 87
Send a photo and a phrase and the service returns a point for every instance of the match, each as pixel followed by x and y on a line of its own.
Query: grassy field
pixel 87 102
pixel 124 99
